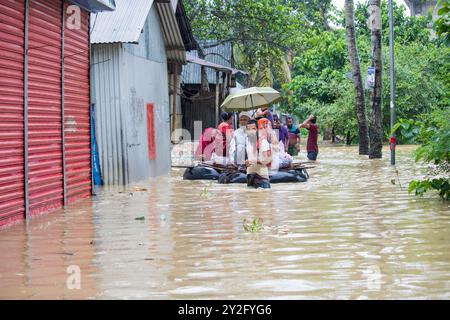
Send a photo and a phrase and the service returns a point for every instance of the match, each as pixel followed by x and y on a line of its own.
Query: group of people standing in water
pixel 262 144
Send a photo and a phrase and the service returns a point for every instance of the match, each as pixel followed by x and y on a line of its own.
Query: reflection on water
pixel 348 233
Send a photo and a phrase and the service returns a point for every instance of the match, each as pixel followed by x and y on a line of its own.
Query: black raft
pixel 201 173
pixel 208 173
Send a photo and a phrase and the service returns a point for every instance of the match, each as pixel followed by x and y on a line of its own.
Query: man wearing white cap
pixel 237 145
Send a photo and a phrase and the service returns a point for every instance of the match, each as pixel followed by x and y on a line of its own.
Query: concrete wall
pixel 127 77
pixel 420 7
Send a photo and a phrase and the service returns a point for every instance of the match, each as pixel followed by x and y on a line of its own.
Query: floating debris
pixel 139 189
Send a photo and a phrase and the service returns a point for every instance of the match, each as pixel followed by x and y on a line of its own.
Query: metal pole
pixel 217 98
pixel 91 105
pixel 25 115
pixel 392 76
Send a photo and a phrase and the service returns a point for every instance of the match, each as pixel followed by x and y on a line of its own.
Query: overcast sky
pixel 340 3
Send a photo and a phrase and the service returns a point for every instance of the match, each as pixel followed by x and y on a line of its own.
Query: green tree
pixel 442 23
pixel 320 73
pixel 262 32
pixel 432 131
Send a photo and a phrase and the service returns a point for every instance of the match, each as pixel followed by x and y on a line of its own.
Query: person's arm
pixel 266 153
pixel 297 145
pixel 286 139
pixel 307 122
pixel 233 151
pixel 259 113
pixel 199 151
pixel 229 134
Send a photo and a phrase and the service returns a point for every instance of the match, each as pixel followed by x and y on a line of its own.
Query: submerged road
pixel 347 233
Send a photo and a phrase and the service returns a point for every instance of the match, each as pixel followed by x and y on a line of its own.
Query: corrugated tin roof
pixel 212 65
pixel 220 55
pixel 172 35
pixel 95 5
pixel 124 24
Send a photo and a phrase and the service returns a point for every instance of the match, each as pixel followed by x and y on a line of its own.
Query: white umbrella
pixel 249 99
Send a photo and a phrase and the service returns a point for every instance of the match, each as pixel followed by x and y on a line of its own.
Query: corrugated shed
pixel 110 130
pixel 76 111
pixel 124 24
pixel 44 106
pixel 123 86
pixel 172 35
pixel 221 55
pixel 12 204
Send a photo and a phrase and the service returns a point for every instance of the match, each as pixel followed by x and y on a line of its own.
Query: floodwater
pixel 347 233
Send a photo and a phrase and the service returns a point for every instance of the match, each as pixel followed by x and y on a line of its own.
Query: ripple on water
pixel 326 238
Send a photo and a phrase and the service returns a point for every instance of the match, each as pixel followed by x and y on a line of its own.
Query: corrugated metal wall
pixel 221 54
pixel 12 203
pixel 44 106
pixel 201 108
pixel 110 131
pixel 125 78
pixel 76 110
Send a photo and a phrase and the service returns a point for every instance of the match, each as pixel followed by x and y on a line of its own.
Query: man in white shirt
pixel 258 158
pixel 237 145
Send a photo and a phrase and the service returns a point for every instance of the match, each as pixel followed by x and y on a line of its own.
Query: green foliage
pixel 206 191
pixel 435 137
pixel 433 132
pixel 320 84
pixel 406 29
pixel 407 130
pixel 254 227
pixel 320 73
pixel 420 187
pixel 262 32
pixel 422 82
pixel 442 23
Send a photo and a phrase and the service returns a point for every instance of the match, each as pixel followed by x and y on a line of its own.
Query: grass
pixel 254 227
pixel 206 190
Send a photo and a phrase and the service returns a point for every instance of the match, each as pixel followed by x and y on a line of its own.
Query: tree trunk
pixel 327 134
pixel 357 79
pixel 376 118
pixel 348 139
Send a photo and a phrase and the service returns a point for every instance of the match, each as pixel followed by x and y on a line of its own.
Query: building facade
pixel 137 54
pixel 45 157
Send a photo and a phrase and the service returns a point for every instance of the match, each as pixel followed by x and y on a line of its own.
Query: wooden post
pixel 225 85
pixel 217 97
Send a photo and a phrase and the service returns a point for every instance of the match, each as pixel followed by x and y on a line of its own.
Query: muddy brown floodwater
pixel 348 233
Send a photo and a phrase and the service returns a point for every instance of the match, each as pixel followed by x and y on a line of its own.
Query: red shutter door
pixel 76 110
pixel 44 106
pixel 12 203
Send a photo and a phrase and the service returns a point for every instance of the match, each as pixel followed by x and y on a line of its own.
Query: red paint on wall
pixel 151 131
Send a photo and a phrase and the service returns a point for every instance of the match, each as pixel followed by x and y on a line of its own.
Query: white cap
pixel 244 114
